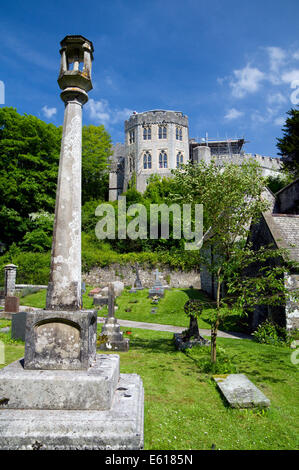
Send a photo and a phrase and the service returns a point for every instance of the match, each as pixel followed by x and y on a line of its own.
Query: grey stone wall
pixel 100 277
pixel 288 199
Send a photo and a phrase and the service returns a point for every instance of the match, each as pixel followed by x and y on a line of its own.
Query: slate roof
pixel 285 231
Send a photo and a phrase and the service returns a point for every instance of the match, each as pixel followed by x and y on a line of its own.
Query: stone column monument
pixel 64 336
pixel 63 395
pixel 10 274
pixel 64 290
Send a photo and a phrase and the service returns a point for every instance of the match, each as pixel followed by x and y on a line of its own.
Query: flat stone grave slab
pixel 240 392
pixel 119 428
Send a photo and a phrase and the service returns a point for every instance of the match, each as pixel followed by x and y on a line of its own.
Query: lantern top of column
pixel 75 50
pixel 77 41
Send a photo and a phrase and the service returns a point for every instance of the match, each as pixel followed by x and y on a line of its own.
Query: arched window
pixel 147 133
pixel 178 133
pixel 179 159
pixel 131 137
pixel 162 132
pixel 163 160
pixel 131 164
pixel 147 161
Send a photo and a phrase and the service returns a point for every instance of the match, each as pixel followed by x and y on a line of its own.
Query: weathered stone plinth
pixel 120 427
pixel 90 389
pixel 111 338
pixel 156 292
pixel 60 340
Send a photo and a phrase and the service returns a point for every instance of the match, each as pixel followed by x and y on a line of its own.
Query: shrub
pixel 271 333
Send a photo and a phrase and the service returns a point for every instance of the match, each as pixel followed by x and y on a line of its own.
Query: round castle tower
pixel 155 143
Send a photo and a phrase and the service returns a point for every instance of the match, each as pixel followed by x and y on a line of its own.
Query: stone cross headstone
pixel 137 282
pixel 158 283
pixel 158 289
pixel 111 338
pixel 111 301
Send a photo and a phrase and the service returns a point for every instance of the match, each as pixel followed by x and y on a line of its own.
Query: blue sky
pixel 229 65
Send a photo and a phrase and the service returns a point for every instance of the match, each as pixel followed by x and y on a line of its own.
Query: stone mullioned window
pixel 163 160
pixel 179 159
pixel 147 133
pixel 162 132
pixel 147 161
pixel 179 133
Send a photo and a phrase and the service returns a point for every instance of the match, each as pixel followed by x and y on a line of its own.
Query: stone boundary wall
pixel 100 277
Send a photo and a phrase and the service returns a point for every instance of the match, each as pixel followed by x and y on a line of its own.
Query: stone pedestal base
pixel 60 339
pixel 111 338
pixel 156 292
pixel 91 389
pixel 120 428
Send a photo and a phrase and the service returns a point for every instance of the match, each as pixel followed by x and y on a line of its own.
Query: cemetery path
pixel 175 329
pixel 169 328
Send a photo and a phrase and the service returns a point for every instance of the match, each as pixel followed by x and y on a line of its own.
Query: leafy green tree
pixel 288 145
pixel 29 156
pixel 96 149
pixel 39 237
pixel 232 200
pixel 276 183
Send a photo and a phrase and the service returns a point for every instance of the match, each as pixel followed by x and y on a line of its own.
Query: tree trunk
pixel 215 326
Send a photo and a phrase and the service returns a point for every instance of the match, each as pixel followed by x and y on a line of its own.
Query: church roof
pixel 284 229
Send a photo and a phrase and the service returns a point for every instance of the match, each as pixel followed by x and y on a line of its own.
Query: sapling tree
pixel 232 198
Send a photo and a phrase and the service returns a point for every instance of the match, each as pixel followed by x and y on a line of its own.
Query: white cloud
pixel 233 114
pixel 277 57
pixel 49 112
pixel 276 98
pixel 279 121
pixel 247 80
pixel 102 112
pixel 296 55
pixel 289 77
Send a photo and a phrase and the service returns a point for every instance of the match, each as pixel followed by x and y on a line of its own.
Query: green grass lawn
pixel 137 307
pixel 185 410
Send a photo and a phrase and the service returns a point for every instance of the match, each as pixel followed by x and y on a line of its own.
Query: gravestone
pixel 157 289
pixel 100 300
pixel 111 338
pixel 94 291
pixel 137 283
pixel 63 395
pixel 11 305
pixel 240 392
pixel 18 325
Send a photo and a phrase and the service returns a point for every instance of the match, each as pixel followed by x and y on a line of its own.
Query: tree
pixel 29 156
pixel 288 145
pixel 96 149
pixel 232 200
